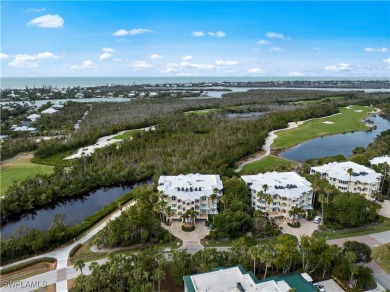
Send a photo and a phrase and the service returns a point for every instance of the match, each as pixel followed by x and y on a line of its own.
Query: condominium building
pixel 236 279
pixel 379 160
pixel 350 177
pixel 285 190
pixel 184 192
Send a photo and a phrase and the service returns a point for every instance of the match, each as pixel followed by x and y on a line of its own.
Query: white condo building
pixel 287 189
pixel 184 192
pixel 379 160
pixel 363 180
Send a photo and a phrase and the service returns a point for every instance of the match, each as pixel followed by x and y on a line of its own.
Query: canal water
pixel 74 209
pixel 336 144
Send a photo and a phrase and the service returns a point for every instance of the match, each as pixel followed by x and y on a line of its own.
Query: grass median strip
pixel 348 120
pixel 381 255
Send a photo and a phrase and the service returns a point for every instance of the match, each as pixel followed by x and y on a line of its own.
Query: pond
pixel 336 144
pixel 75 209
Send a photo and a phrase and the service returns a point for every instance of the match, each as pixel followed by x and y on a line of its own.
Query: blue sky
pixel 124 38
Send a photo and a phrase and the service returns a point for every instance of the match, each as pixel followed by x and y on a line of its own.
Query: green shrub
pixel 294 225
pixel 187 228
pixel 26 264
pixel 74 249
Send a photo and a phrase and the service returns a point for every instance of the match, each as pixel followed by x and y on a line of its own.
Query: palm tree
pixel 254 253
pixel 213 198
pixel 192 214
pixel 267 257
pixel 184 217
pixel 350 172
pixel 321 198
pixel 296 211
pixel 79 265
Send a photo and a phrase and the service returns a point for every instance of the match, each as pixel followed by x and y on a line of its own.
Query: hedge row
pixel 187 228
pixel 74 249
pixel 26 264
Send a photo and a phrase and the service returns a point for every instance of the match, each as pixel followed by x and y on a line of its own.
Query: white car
pixel 319 287
pixel 317 219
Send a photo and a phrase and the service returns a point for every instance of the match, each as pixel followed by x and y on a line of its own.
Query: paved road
pixel 62 255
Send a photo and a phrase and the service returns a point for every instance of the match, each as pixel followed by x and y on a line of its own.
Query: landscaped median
pixel 381 255
pixel 349 120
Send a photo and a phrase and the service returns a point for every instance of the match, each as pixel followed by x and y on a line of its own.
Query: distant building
pixel 287 190
pixel 184 192
pixel 378 160
pixel 57 106
pixel 34 117
pixel 79 95
pixel 24 129
pixel 236 279
pixel 153 94
pixel 362 180
pixel 49 111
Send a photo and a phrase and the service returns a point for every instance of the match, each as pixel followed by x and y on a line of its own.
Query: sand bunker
pixel 358 111
pixel 327 122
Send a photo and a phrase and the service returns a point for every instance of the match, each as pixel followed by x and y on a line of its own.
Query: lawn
pixel 268 163
pixel 27 272
pixel 321 100
pixel 381 255
pixel 128 134
pixel 19 168
pixel 348 121
pixel 385 226
pixel 203 111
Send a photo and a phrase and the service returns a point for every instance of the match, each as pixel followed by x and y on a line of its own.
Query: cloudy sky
pixel 96 38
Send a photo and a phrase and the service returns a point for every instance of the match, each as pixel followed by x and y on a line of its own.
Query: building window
pixel 173 205
pixel 204 211
pixel 204 205
pixel 204 198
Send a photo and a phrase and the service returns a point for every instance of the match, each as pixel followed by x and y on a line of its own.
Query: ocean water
pixel 22 82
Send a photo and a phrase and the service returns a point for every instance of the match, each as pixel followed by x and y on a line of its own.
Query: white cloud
pixel 263 42
pixel 275 49
pixel 140 65
pixel 34 10
pixel 183 74
pixel 155 56
pixel 168 70
pixel 105 56
pixel 255 71
pixel 218 34
pixel 198 33
pixel 295 73
pixel 226 63
pixel 189 65
pixel 387 60
pixel 381 50
pixel 120 32
pixel 26 61
pixel 338 68
pixel 48 21
pixel 186 58
pixel 3 56
pixel 116 59
pixel 134 31
pixel 87 64
pixel 108 50
pixel 274 35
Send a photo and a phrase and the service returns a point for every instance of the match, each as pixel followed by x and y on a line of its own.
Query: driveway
pixel 371 239
pixel 191 240
pixel 307 228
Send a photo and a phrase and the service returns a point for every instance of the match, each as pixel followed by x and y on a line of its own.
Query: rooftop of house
pixel 190 186
pixel 234 278
pixel 285 184
pixel 49 111
pixel 339 170
pixel 382 159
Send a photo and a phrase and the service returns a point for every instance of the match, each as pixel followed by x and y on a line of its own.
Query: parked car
pixel 319 287
pixel 317 219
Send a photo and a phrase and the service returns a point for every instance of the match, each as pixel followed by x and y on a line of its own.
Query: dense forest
pixel 180 144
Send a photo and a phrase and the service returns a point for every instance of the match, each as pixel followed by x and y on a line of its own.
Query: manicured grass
pixel 19 168
pixel 203 112
pixel 321 100
pixel 269 163
pixel 216 243
pixel 385 226
pixel 349 120
pixel 27 272
pixel 127 134
pixel 381 255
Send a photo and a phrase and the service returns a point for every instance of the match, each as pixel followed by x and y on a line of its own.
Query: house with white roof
pixel 287 190
pixel 361 180
pixel 236 279
pixel 34 117
pixel 49 111
pixel 379 160
pixel 184 192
